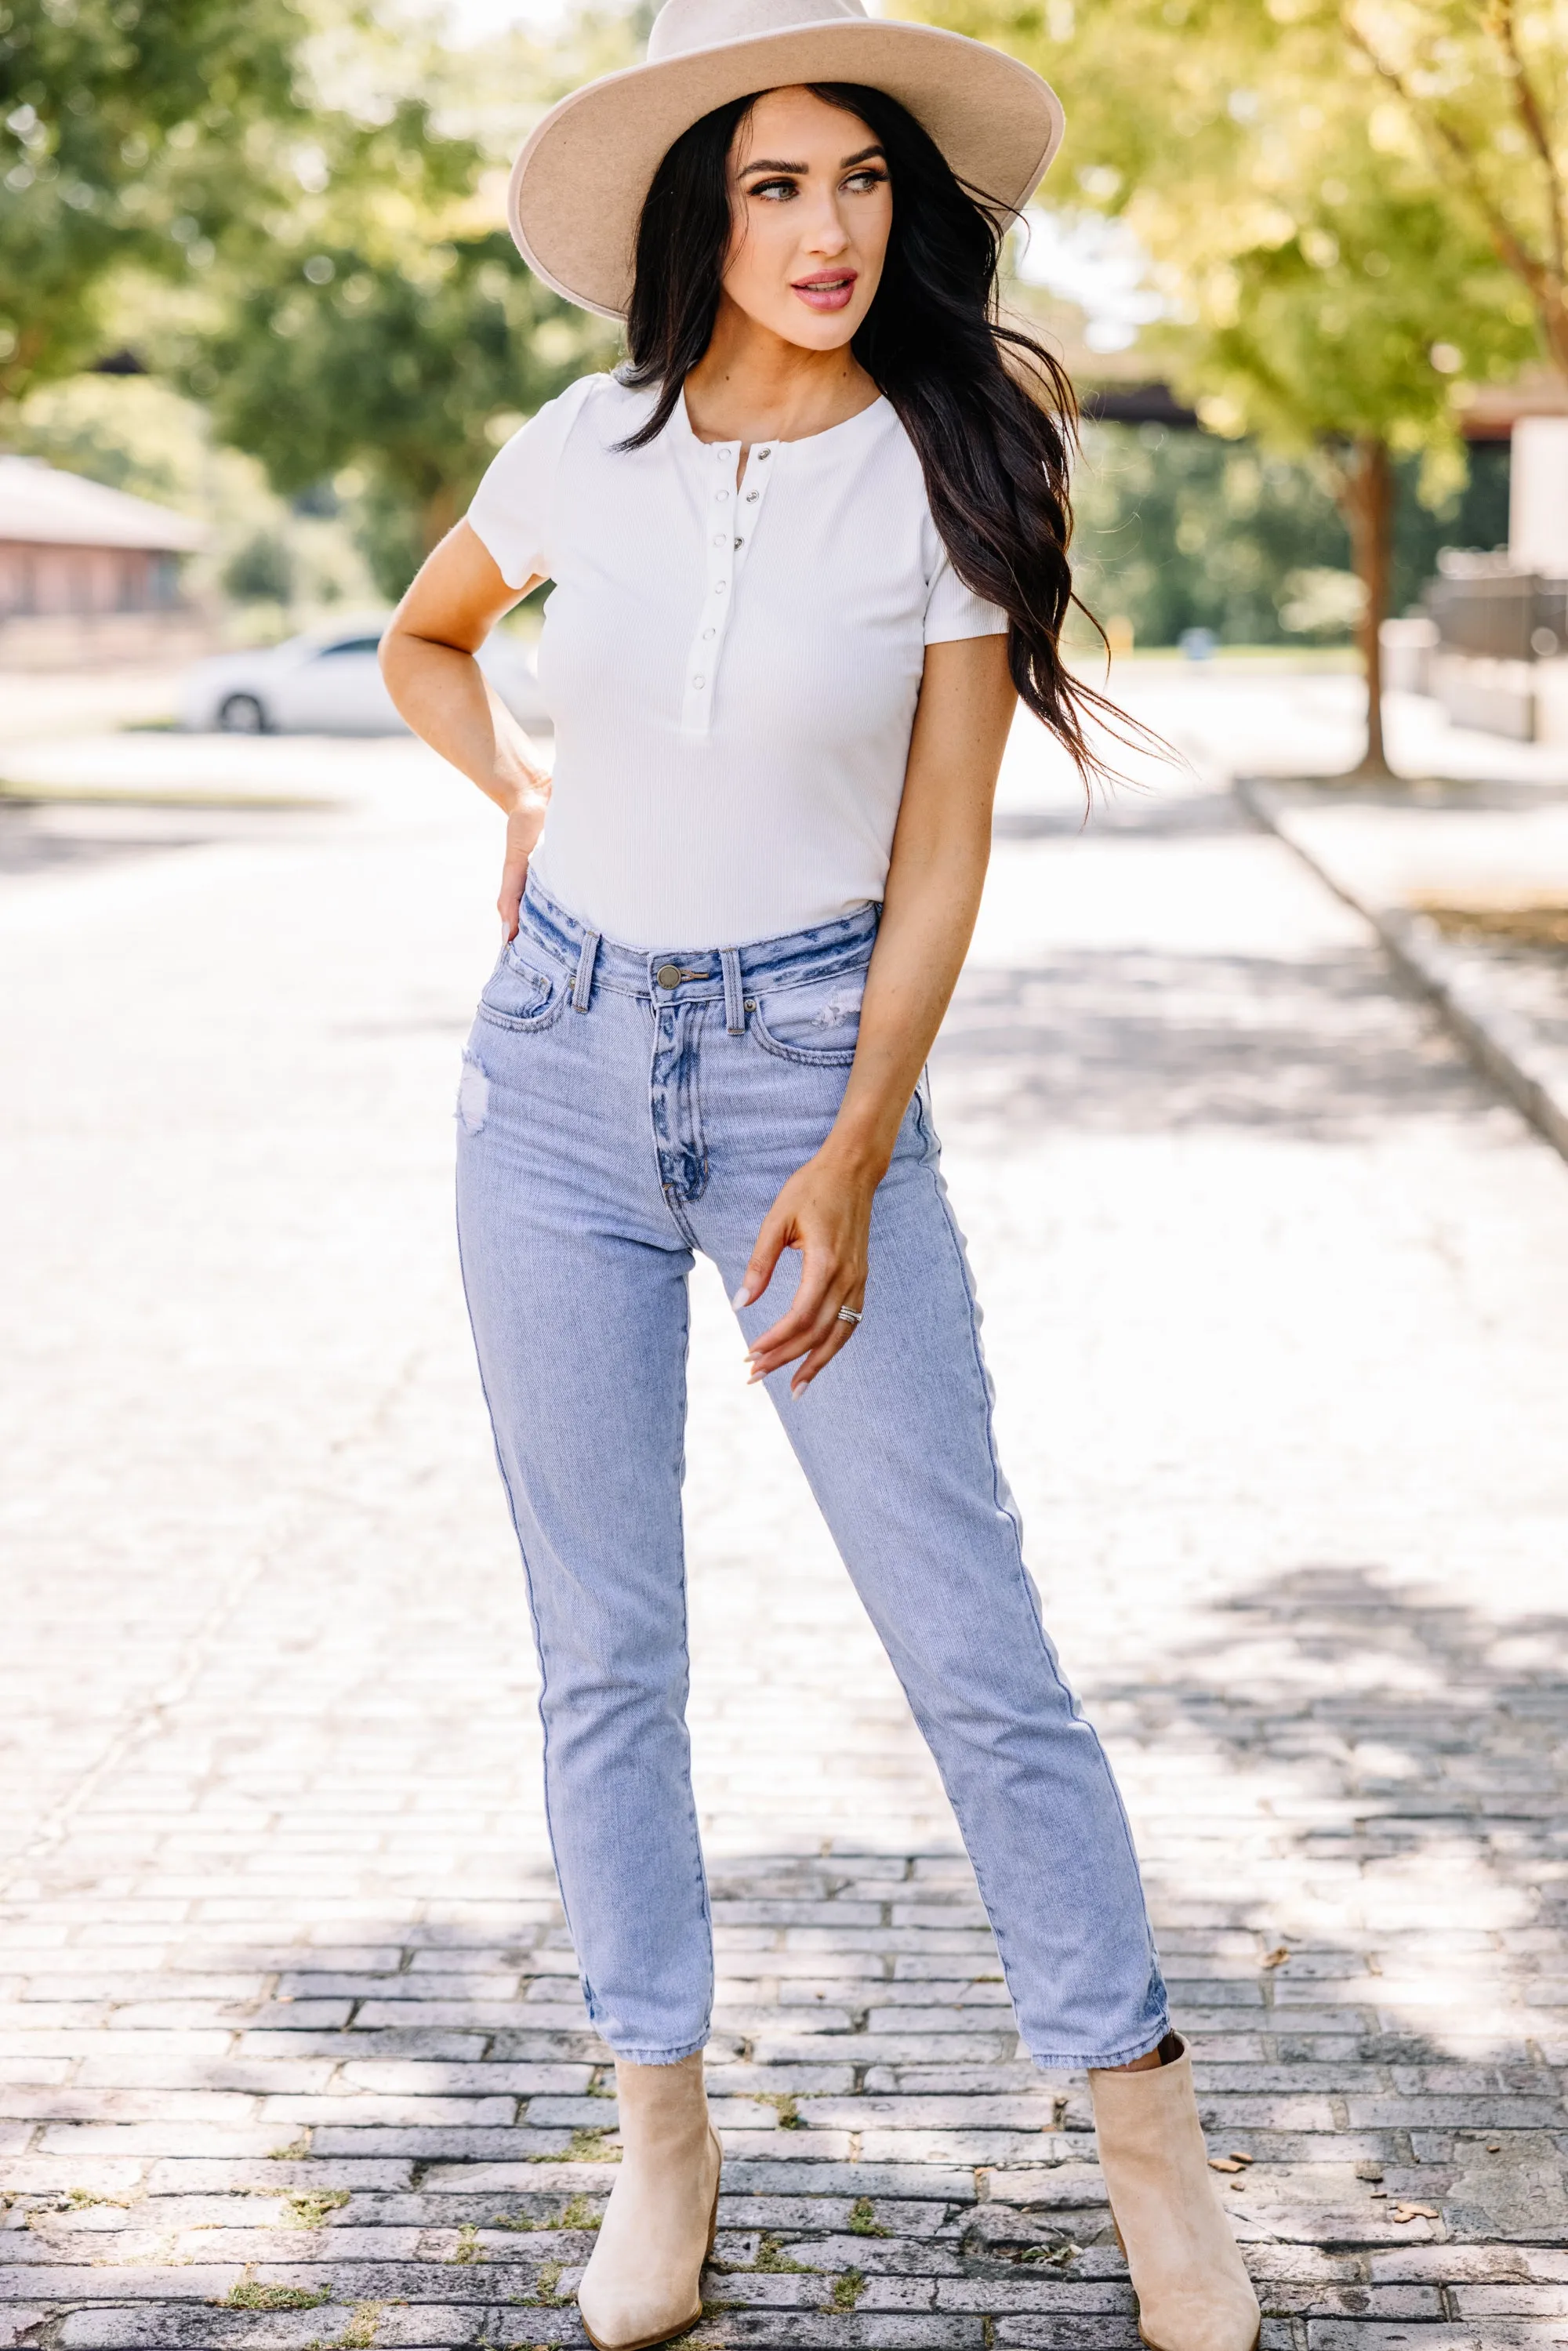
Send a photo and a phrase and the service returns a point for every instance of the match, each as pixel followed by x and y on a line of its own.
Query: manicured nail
pixel 743 1295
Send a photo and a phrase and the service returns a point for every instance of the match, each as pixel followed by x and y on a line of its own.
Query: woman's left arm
pixel 940 851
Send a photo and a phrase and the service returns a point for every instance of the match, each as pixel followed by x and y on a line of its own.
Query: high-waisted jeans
pixel 618 1111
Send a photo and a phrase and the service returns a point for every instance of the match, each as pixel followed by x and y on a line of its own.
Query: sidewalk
pixel 1468 891
pixel 291 2048
pixel 1463 871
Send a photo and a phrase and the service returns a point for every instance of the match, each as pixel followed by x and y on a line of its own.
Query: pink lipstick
pixel 826 289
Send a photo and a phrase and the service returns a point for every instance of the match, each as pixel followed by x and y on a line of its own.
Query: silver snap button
pixel 752 496
pixel 763 456
pixel 740 542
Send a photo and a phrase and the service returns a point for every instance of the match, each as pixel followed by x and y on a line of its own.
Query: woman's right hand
pixel 524 825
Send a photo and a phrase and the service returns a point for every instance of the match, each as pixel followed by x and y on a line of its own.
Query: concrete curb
pixel 1502 1044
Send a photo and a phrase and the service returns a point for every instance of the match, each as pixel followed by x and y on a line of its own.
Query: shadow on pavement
pixel 1132 1041
pixel 1404 1844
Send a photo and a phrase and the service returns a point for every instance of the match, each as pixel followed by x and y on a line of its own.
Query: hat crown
pixel 683 25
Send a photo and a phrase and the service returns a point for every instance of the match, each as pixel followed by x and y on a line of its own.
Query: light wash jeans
pixel 618 1111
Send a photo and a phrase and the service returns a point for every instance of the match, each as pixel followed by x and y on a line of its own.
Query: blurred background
pixel 254 276
pixel 262 327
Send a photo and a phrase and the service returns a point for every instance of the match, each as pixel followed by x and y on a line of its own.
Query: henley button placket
pixel 707 653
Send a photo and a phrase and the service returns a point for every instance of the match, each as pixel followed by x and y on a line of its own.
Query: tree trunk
pixel 1366 490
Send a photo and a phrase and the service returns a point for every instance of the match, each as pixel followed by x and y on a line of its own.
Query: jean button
pixel 668 974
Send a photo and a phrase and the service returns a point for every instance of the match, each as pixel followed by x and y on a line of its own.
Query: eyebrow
pixel 861 155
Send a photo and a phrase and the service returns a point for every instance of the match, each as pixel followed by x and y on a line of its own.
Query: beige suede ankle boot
pixel 1194 2292
pixel 643 2284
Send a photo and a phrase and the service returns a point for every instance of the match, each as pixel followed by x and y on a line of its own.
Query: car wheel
pixel 242 713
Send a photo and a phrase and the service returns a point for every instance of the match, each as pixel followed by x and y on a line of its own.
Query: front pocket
pixel 521 993
pixel 818 1022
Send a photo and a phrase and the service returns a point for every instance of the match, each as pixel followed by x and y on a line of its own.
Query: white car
pixel 328 682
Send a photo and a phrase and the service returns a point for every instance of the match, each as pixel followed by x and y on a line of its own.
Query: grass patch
pixel 546 2295
pixel 82 2200
pixel 864 2221
pixel 587 2147
pixel 361 2331
pixel 578 2214
pixel 310 2212
pixel 295 2152
pixel 783 2104
pixel 774 2261
pixel 469 2246
pixel 693 2341
pixel 847 2291
pixel 250 2294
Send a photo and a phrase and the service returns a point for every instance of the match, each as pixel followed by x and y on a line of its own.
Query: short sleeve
pixel 954 610
pixel 513 506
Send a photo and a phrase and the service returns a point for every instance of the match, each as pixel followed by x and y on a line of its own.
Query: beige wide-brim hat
pixel 579 185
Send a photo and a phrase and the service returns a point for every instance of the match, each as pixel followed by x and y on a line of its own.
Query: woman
pixel 809 547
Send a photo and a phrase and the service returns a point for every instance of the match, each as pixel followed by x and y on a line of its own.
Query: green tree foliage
pixel 1323 291
pixel 138 435
pixel 132 131
pixel 1183 530
pixel 291 213
pixel 1180 530
pixel 399 372
pixel 384 335
pixel 1481 95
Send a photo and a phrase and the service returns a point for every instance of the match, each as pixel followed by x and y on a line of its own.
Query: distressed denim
pixel 617 1111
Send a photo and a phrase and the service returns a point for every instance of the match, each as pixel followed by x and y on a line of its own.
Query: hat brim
pixel 579 185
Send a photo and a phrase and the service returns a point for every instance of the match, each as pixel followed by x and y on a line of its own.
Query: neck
pixel 751 385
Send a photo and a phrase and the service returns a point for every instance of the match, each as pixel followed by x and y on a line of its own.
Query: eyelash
pixel 871 177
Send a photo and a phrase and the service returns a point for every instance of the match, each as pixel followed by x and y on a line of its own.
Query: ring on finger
pixel 848 1314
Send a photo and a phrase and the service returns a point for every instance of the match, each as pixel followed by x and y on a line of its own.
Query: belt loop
pixel 734 1002
pixel 582 986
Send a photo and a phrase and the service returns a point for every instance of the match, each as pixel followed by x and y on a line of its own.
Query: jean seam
pixel 956 1242
pixel 673 1202
pixel 538 1026
pixel 1077 2061
pixel 533 1617
pixel 694 1827
pixel 662 2055
pixel 798 1053
pixel 699 1132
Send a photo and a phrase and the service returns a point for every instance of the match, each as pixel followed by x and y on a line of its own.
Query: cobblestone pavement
pixel 291 2049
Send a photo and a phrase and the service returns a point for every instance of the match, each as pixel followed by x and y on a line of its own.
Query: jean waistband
pixel 692 975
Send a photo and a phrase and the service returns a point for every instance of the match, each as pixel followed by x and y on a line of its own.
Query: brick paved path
pixel 291 2050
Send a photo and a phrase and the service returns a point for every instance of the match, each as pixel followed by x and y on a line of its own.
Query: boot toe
pixel 1212 2317
pixel 629 2322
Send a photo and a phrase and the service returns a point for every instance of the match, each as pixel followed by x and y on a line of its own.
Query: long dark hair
pixel 990 413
